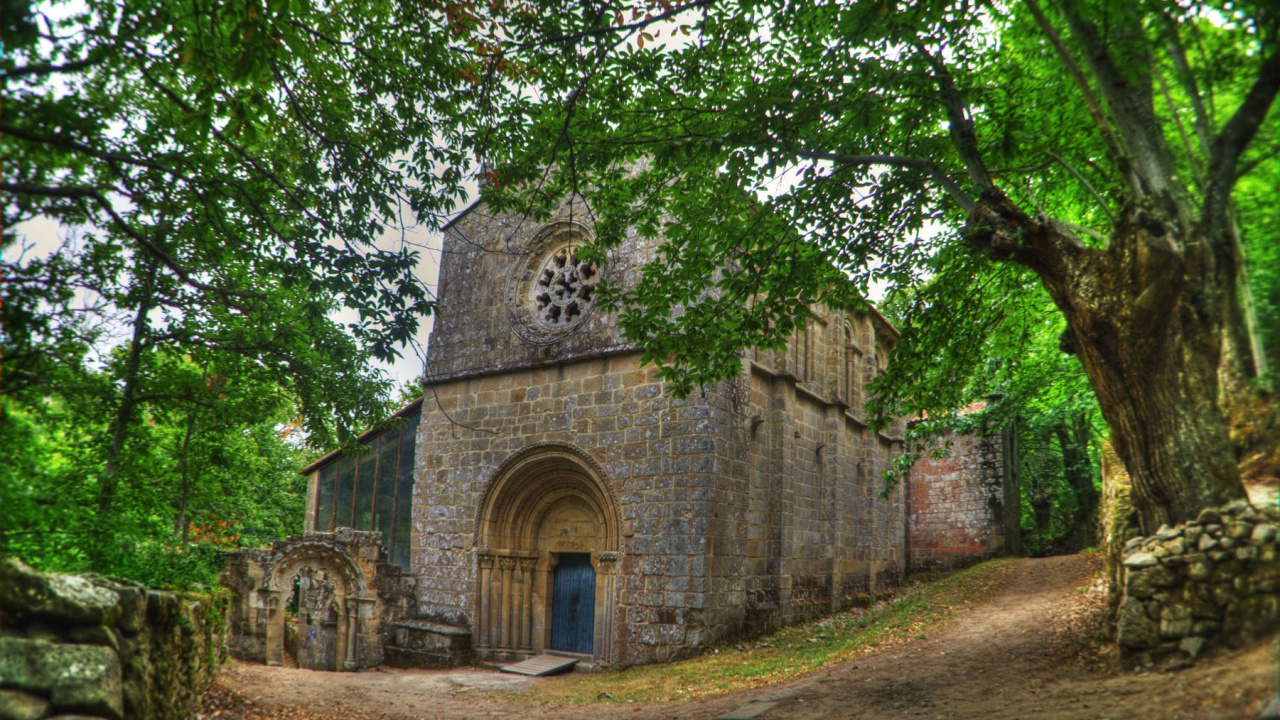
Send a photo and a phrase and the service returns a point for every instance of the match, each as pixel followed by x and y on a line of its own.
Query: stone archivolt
pixel 547 500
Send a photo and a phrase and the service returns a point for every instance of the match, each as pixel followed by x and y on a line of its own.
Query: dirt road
pixel 1001 660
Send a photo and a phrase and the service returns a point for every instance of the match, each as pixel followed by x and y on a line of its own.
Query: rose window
pixel 564 287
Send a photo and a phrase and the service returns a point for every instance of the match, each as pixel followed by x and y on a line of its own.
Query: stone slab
pixel 540 665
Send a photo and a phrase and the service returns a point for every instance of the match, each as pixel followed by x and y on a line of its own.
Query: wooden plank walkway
pixel 540 665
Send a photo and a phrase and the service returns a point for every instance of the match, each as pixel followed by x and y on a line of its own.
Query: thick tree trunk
pixel 1147 317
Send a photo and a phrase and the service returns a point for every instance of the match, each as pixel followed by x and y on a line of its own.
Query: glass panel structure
pixel 372 489
pixel 404 493
pixel 324 498
pixel 346 491
pixel 366 481
pixel 384 500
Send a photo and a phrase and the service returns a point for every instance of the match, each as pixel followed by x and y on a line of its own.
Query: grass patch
pixel 788 653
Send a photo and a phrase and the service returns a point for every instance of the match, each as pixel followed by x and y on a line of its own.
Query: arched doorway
pixel 548 546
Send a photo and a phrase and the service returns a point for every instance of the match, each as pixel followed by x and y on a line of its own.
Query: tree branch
pixel 88 193
pixel 1102 203
pixel 961 126
pixel 1178 53
pixel 49 68
pixel 628 27
pixel 1125 83
pixel 939 175
pixel 1236 136
pixel 1114 145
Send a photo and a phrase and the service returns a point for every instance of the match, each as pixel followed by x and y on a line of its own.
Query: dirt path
pixel 998 661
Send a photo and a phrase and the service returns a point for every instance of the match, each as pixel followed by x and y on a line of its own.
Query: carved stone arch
pixel 563 469
pixel 297 555
pixel 548 503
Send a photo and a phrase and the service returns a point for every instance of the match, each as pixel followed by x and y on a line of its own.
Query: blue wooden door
pixel 573 604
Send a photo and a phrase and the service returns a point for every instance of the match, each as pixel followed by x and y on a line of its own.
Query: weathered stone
pixel 1192 533
pixel 19 705
pixel 1175 621
pixel 1198 567
pixel 1209 516
pixel 77 678
pixel 1140 560
pixel 1136 630
pixel 69 598
pixel 1247 553
pixel 1144 582
pixel 1176 546
pixel 1236 507
pixel 1238 530
pixel 1165 532
pixel 1206 627
pixel 1249 616
pixel 1213 529
pixel 96 635
pixel 1207 542
pixel 1263 533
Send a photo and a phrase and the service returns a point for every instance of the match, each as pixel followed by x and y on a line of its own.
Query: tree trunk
pixel 124 411
pixel 1148 318
pixel 184 488
pixel 1012 495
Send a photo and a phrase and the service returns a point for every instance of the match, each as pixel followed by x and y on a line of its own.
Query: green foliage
pixel 208 469
pixel 248 155
pixel 225 177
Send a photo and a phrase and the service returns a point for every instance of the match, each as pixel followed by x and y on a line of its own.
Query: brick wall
pixel 956 505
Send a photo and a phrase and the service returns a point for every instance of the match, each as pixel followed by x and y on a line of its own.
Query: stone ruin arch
pixel 348 597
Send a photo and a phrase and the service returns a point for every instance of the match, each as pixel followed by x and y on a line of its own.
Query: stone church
pixel 546 494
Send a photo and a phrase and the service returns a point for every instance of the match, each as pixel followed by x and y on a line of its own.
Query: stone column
pixel 606 565
pixel 526 603
pixel 275 626
pixel 506 564
pixel 485 561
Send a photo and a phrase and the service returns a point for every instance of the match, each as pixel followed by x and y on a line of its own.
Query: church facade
pixel 548 494
pixel 564 501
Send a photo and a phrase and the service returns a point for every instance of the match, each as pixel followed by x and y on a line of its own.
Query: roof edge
pixel 405 411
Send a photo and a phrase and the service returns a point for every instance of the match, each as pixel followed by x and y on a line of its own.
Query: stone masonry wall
pixel 956 505
pixel 95 648
pixel 1186 588
pixel 751 504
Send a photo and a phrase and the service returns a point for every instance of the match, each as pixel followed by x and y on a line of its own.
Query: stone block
pixel 1136 630
pixel 69 598
pixel 77 678
pixel 19 705
pixel 1263 533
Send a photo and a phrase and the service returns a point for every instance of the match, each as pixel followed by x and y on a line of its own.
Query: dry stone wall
pixel 1213 580
pixel 88 647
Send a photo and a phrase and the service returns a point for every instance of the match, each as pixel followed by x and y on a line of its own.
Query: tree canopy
pixel 224 177
pixel 793 153
pixel 227 170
